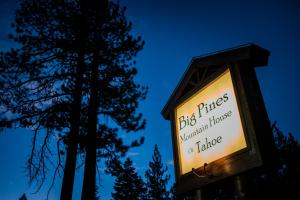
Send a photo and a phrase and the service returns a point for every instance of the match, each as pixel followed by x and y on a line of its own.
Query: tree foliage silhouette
pixel 42 81
pixel 73 67
pixel 156 178
pixel 283 181
pixel 112 94
pixel 128 184
pixel 280 181
pixel 23 197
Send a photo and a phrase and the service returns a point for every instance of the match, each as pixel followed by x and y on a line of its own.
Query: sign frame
pixel 241 61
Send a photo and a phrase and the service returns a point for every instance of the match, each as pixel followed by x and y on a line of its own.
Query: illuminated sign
pixel 220 127
pixel 208 125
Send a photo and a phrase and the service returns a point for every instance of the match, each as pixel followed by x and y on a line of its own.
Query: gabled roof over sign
pixel 201 67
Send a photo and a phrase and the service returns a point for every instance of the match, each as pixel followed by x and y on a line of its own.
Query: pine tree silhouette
pixel 112 93
pixel 42 83
pixel 128 184
pixel 73 66
pixel 156 178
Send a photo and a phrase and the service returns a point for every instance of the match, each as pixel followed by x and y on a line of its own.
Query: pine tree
pixel 73 70
pixel 128 184
pixel 283 183
pixel 41 82
pixel 112 93
pixel 156 178
pixel 23 197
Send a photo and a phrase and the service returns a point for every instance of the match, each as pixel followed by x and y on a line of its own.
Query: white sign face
pixel 208 125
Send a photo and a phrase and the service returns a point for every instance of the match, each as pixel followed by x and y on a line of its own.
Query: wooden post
pixel 238 182
pixel 198 195
pixel 245 187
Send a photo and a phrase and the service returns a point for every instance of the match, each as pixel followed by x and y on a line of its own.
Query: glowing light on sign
pixel 208 125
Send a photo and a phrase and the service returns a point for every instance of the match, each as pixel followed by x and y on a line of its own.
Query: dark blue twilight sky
pixel 175 31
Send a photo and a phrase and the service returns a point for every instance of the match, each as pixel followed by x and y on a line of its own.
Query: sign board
pixel 208 124
pixel 220 127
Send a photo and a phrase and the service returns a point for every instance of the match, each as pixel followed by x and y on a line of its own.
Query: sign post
pixel 220 127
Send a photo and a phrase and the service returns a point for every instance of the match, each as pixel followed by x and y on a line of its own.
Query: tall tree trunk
pixel 98 10
pixel 69 173
pixel 89 181
pixel 72 145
